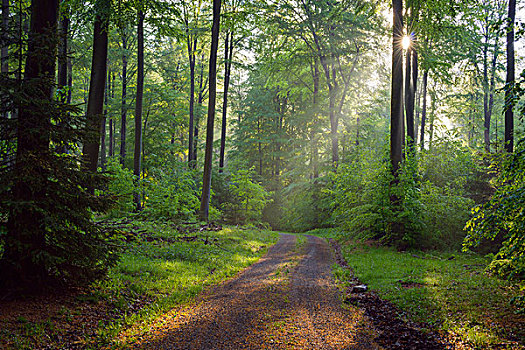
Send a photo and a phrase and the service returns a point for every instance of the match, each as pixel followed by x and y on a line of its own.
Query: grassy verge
pixel 160 268
pixel 450 291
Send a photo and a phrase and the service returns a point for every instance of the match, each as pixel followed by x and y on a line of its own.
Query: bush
pixel 504 214
pixel 121 186
pixel 432 210
pixel 251 197
pixel 171 194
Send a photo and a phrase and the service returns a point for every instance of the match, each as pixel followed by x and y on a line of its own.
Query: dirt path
pixel 288 300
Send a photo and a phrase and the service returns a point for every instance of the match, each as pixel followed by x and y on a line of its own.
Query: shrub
pixel 504 214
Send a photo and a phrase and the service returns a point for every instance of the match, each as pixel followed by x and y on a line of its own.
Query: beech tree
pixel 509 83
pixel 206 181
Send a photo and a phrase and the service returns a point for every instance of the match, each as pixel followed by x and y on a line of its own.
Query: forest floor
pixel 288 300
pixel 301 295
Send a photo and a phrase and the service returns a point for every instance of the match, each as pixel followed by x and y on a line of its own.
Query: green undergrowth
pixel 449 291
pixel 165 271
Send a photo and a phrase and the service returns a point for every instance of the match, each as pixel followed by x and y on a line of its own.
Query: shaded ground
pixel 288 300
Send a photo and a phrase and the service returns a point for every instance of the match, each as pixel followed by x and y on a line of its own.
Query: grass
pixel 158 271
pixel 449 291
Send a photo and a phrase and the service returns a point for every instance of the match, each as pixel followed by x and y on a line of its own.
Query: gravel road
pixel 287 300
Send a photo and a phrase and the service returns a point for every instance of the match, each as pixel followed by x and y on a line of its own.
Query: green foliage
pixel 251 197
pixel 432 207
pixel 171 193
pixel 306 206
pixel 121 185
pixel 504 214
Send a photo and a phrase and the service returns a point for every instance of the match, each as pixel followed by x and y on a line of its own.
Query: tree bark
pixel 62 56
pixel 97 85
pixel 509 82
pixel 137 159
pixel 424 110
pixel 104 122
pixel 396 119
pixel 191 56
pixel 228 55
pixel 206 181
pixel 124 107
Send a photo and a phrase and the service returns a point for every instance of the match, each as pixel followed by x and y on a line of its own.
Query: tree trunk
pixel 509 82
pixel 62 55
pixel 124 107
pixel 200 99
pixel 315 149
pixel 104 122
pixel 191 55
pixel 25 238
pixel 137 161
pixel 424 110
pixel 206 181
pixel 486 113
pixel 410 89
pixel 228 55
pixel 4 51
pixel 97 85
pixel 396 119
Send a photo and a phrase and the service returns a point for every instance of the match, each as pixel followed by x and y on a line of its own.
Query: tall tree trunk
pixel 409 100
pixel 69 79
pixel 124 107
pixel 62 54
pixel 191 55
pixel 137 159
pixel 509 82
pixel 486 92
pixel 228 56
pixel 25 238
pixel 396 119
pixel 200 99
pixel 4 50
pixel 424 109
pixel 97 85
pixel 315 149
pixel 206 180
pixel 104 122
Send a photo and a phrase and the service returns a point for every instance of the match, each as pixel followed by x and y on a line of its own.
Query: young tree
pixel 26 230
pixel 206 181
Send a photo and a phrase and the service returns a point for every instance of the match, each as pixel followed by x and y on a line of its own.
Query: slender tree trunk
pixel 432 119
pixel 124 107
pixel 315 148
pixel 104 122
pixel 69 79
pixel 4 51
pixel 97 85
pixel 228 56
pixel 486 113
pixel 206 181
pixel 25 238
pixel 424 109
pixel 62 55
pixel 200 99
pixel 409 100
pixel 137 159
pixel 191 55
pixel 509 82
pixel 396 119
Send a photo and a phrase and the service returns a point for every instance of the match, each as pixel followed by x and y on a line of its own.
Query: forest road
pixel 287 300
